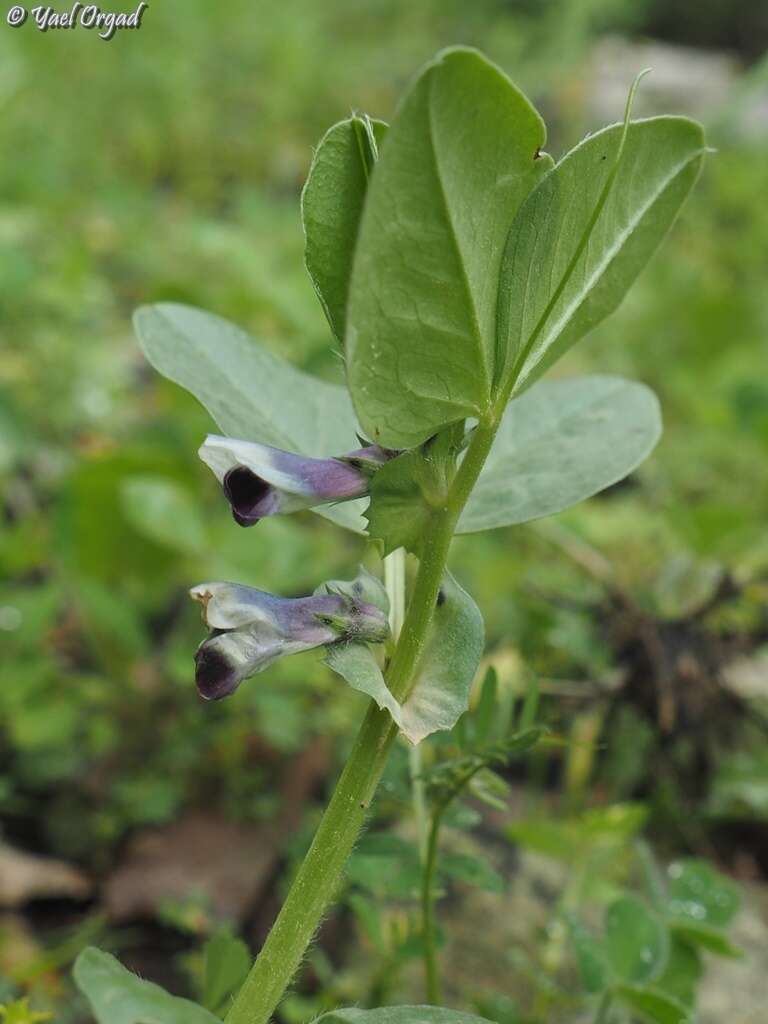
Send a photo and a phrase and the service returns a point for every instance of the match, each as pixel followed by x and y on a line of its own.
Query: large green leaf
pixel 250 393
pixel 661 160
pixel 400 1015
pixel 119 997
pixel 461 154
pixel 331 207
pixel 447 668
pixel 559 443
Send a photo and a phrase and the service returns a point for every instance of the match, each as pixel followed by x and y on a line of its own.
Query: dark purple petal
pixel 251 497
pixel 214 675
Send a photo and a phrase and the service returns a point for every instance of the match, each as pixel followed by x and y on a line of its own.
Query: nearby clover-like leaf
pixel 700 894
pixel 705 936
pixel 661 160
pixel 331 207
pixel 461 154
pixel 249 392
pixel 440 694
pixel 119 997
pixel 591 956
pixel 559 443
pixel 636 941
pixel 654 1005
pixel 399 1015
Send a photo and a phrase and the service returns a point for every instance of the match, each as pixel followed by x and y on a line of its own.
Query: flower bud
pixel 251 629
pixel 261 481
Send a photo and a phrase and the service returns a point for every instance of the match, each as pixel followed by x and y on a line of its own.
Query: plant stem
pixel 429 938
pixel 317 880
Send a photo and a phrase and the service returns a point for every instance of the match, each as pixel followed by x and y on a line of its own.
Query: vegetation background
pixel 166 165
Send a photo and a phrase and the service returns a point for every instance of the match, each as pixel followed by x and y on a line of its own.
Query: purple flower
pixel 250 629
pixel 261 481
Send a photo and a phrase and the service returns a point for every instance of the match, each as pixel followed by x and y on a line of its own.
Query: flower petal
pixel 260 481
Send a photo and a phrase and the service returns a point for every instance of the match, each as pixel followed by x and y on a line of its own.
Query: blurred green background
pixel 166 165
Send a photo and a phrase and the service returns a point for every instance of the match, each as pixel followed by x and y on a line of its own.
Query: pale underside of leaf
pixel 250 393
pixel 444 678
pixel 559 443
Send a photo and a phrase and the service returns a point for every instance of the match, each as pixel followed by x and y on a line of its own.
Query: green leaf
pixel 706 937
pixel 447 667
pixel 654 1005
pixel 591 956
pixel 485 715
pixel 472 870
pixel 699 893
pixel 446 780
pixel 250 393
pixel 559 443
pixel 357 665
pixel 407 490
pixel 606 829
pixel 441 692
pixel 19 1012
pixel 637 942
pixel 682 973
pixel 461 154
pixel 227 962
pixel 331 207
pixel 660 163
pixel 163 511
pixel 119 997
pixel 398 515
pixel 400 1015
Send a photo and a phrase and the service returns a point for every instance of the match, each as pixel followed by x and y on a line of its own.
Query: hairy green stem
pixel 317 880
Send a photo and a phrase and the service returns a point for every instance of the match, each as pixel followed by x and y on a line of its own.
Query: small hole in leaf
pixel 440 598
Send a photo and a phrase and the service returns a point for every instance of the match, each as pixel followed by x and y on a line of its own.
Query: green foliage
pixel 249 392
pixel 544 312
pixel 20 1013
pixel 636 941
pixel 440 693
pixel 227 961
pixel 559 443
pixel 331 208
pixel 424 279
pixel 400 1015
pixel 650 959
pixel 701 895
pixel 119 997
pixel 94 685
